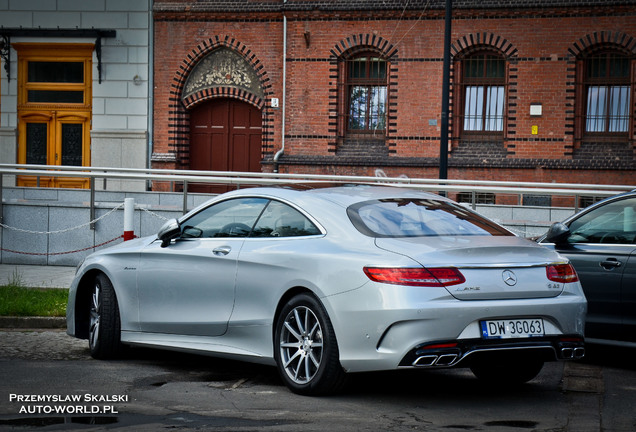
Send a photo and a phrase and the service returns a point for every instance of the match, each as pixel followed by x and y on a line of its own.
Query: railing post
pixel 1 208
pixel 185 196
pixel 576 203
pixel 129 219
pixel 474 199
pixel 91 181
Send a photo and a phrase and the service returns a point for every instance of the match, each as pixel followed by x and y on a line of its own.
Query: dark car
pixel 600 241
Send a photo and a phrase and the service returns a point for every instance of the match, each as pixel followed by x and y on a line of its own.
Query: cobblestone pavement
pixel 41 345
pixel 167 390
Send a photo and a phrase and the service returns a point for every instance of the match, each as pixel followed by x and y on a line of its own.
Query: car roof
pixel 597 204
pixel 344 195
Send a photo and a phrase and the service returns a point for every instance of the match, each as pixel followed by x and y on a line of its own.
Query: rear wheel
pixel 509 372
pixel 104 329
pixel 305 348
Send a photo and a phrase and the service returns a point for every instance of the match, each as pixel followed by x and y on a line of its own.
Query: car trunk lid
pixel 495 267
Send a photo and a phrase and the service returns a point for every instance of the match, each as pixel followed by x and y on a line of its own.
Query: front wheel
pixel 104 329
pixel 306 349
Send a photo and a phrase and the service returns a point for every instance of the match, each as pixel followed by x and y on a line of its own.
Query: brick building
pixel 541 90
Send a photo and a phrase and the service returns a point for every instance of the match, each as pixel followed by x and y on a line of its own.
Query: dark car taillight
pixel 563 273
pixel 432 277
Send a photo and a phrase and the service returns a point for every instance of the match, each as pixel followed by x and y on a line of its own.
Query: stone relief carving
pixel 222 67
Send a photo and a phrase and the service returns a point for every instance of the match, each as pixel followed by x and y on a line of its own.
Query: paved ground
pixel 174 391
pixel 221 395
pixel 35 276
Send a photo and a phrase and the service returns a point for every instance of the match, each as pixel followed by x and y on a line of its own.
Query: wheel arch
pixel 289 294
pixel 83 302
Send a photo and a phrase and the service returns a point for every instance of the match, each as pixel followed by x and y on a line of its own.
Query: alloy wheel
pixel 94 316
pixel 301 345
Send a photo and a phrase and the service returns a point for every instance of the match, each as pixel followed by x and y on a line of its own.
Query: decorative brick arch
pixel 363 42
pixel 602 38
pixel 476 41
pixel 179 122
pixel 225 92
pixel 346 49
pixel 472 43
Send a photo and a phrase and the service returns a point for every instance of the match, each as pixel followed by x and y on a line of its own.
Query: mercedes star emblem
pixel 509 278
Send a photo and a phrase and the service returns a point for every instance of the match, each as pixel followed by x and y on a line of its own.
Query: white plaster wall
pixel 8 151
pixel 121 149
pixel 120 102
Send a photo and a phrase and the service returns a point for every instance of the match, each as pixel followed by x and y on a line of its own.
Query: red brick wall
pixel 539 46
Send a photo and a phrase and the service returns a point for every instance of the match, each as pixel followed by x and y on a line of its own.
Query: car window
pixel 614 222
pixel 419 217
pixel 281 220
pixel 231 218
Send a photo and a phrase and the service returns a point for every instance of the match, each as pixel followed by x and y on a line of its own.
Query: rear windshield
pixel 411 217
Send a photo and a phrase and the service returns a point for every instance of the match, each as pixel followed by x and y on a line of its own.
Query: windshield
pixel 411 217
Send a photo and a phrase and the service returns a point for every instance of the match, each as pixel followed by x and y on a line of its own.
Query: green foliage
pixel 16 300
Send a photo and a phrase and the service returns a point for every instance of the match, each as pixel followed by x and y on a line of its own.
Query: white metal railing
pixel 238 179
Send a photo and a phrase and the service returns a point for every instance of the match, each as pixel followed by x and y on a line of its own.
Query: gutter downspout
pixel 151 86
pixel 280 152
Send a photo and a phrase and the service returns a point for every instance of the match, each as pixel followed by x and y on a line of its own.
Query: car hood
pixel 485 262
pixel 130 246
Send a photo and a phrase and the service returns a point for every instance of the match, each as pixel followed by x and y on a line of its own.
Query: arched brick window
pixel 366 94
pixel 483 94
pixel 605 94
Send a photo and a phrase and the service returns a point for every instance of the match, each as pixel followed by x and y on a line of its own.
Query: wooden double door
pixel 54 138
pixel 225 135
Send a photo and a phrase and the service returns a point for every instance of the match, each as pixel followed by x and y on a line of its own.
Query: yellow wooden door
pixel 54 109
pixel 52 138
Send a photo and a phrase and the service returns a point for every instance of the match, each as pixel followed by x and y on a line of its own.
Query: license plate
pixel 512 328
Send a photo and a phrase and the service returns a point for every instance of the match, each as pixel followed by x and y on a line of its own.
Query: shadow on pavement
pixel 610 356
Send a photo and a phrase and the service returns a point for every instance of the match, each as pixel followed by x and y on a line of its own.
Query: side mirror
pixel 169 231
pixel 558 233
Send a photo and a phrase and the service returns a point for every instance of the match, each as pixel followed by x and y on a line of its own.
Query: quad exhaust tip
pixel 573 353
pixel 435 360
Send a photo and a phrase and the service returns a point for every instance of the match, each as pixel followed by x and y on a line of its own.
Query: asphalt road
pixel 41 371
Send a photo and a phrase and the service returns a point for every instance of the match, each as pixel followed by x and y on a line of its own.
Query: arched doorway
pixel 225 135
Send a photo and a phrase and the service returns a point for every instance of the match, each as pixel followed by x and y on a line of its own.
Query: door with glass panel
pixel 54 109
pixel 53 139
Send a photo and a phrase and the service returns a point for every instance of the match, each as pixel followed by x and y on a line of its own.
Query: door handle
pixel 610 264
pixel 222 250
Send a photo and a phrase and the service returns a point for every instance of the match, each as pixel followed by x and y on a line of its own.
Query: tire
pixel 104 331
pixel 511 372
pixel 305 348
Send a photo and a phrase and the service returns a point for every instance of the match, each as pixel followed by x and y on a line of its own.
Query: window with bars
pixel 366 87
pixel 607 94
pixel 484 93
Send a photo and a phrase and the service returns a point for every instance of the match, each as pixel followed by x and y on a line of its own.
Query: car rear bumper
pixel 461 353
pixel 392 325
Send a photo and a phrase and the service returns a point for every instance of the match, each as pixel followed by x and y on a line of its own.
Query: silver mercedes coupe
pixel 330 281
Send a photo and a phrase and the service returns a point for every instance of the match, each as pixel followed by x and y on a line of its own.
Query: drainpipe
pixel 280 152
pixel 151 93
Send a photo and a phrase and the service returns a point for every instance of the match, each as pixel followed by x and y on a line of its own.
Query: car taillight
pixel 563 273
pixel 432 277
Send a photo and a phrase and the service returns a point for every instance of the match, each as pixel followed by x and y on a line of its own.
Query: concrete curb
pixel 33 322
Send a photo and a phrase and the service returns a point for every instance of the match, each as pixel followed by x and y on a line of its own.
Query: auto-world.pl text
pixel 67 404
